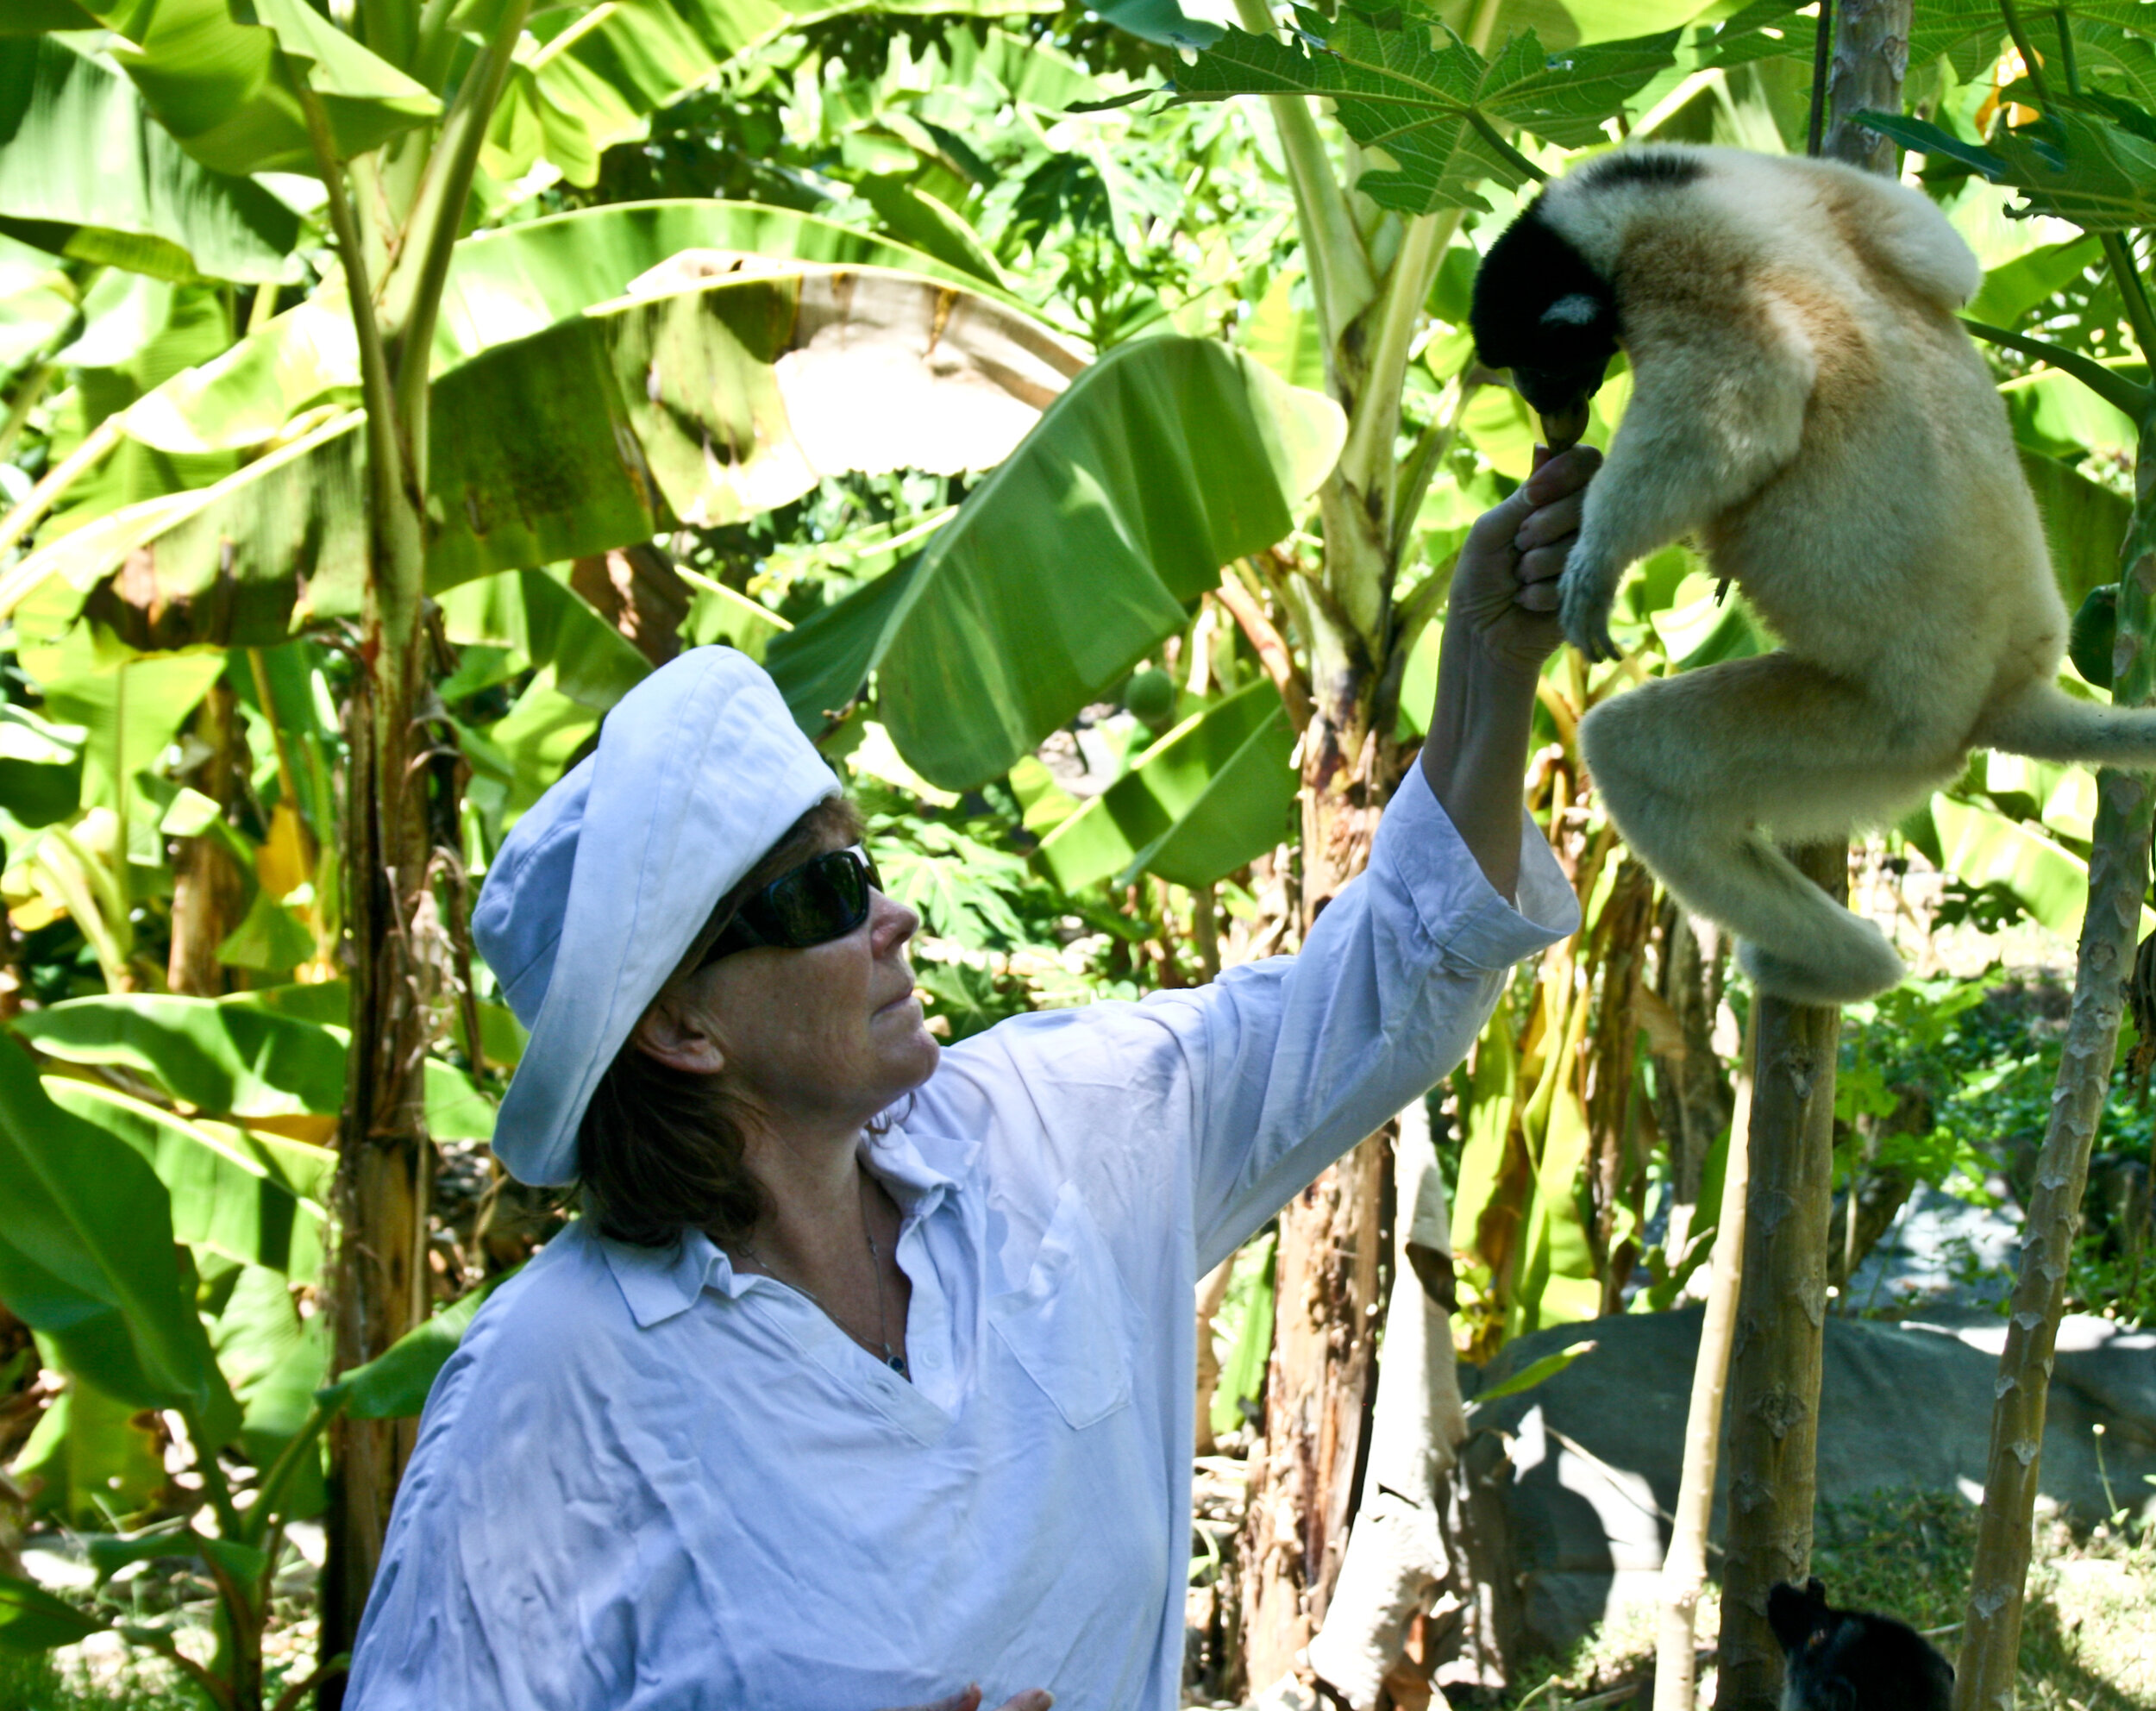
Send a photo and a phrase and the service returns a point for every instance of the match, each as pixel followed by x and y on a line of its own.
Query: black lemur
pixel 1845 1660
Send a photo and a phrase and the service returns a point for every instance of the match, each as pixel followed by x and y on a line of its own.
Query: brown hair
pixel 659 1149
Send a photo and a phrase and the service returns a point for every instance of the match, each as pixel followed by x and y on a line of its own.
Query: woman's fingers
pixel 1033 1699
pixel 969 1700
pixel 1552 522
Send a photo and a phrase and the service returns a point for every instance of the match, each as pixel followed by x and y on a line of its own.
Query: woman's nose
pixel 891 923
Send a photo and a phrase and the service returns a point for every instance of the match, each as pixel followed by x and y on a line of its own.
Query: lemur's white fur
pixel 1805 405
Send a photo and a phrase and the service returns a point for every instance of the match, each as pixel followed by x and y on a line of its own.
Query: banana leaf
pixel 1211 793
pixel 700 406
pixel 34 1620
pixel 230 1192
pixel 87 1258
pixel 1165 460
pixel 85 173
pixel 213 81
pixel 1985 847
pixel 394 1384
pixel 502 285
pixel 235 1060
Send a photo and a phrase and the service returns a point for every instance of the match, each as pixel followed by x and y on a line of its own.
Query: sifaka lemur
pixel 1806 406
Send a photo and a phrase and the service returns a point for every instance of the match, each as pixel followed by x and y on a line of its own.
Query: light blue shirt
pixel 646 1481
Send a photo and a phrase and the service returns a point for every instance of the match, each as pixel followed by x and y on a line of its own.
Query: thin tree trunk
pixel 2118 875
pixel 1773 1417
pixel 1782 1309
pixel 1872 57
pixel 1684 1563
pixel 1396 1557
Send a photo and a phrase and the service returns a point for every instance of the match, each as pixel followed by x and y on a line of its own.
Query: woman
pixel 868 1373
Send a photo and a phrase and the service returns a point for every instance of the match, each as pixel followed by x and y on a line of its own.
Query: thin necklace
pixel 894 1358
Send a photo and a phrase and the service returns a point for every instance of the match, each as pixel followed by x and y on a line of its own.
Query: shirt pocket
pixel 1066 1326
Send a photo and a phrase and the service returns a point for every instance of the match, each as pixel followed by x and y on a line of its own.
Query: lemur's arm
pixel 1717 408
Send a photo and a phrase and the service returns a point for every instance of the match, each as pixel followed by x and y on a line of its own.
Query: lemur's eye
pixel 1814 1639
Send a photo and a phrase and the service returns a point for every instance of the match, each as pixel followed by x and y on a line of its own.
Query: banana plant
pixel 124 1221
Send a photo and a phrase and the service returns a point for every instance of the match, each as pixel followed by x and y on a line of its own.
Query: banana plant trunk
pixel 385 1172
pixel 2118 876
pixel 1321 1383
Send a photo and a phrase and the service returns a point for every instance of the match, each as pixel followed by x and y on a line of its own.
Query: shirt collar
pixel 661 1283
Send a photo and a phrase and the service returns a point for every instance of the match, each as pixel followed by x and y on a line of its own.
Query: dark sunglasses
pixel 823 898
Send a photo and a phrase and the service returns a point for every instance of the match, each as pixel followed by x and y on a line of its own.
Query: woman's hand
pixel 1505 584
pixel 1500 626
pixel 1033 1699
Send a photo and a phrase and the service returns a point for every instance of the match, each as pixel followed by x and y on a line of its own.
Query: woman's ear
pixel 678 1033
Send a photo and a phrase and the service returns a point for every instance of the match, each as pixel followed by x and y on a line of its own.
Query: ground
pixel 2088 1638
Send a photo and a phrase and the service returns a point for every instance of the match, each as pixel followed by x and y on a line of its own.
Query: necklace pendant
pixel 897 1363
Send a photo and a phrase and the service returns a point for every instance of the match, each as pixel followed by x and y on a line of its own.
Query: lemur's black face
pixel 1541 312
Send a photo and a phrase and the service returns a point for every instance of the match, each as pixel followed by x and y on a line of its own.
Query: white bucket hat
pixel 608 880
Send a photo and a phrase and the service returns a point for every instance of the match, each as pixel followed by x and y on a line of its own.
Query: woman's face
pixel 833 1033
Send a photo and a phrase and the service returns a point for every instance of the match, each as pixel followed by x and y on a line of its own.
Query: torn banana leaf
pixel 1211 793
pixel 1165 460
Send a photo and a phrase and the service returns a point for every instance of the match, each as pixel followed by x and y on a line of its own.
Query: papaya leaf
pixel 1429 102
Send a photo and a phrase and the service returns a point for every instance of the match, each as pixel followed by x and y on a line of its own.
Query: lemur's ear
pixel 1575 309
pixel 1815 1590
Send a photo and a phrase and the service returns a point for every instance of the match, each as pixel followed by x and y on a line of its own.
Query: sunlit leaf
pixel 86 172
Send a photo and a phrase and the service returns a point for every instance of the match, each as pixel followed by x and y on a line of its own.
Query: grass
pixel 2087 1630
pixel 36 1682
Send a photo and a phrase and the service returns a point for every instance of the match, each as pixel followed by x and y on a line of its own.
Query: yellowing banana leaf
pixel 85 173
pixel 700 406
pixel 1984 848
pixel 228 1190
pixel 1211 793
pixel 502 285
pixel 87 1258
pixel 1166 459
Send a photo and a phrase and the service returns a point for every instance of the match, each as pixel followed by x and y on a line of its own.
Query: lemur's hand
pixel 1585 593
pixel 1506 585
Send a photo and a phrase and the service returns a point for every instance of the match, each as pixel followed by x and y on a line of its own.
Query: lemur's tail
pixel 2046 724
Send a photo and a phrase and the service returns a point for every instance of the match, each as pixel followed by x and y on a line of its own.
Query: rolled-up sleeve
pixel 1261 1079
pixel 1306 1054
